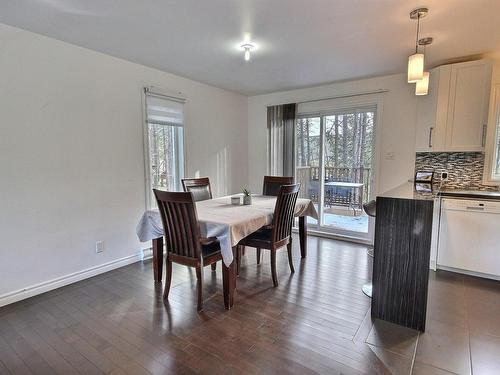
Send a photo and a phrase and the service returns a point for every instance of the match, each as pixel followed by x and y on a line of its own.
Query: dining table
pixel 228 222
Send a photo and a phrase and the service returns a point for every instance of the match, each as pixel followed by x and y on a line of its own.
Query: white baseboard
pixel 339 237
pixel 147 253
pixel 46 286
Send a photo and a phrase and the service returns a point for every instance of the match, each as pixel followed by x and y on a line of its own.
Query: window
pixel 164 141
pixel 496 160
pixel 492 164
pixel 496 156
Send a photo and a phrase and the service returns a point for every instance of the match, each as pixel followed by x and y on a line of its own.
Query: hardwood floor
pixel 316 321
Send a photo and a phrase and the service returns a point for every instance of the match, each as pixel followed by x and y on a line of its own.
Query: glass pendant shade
pixel 422 86
pixel 415 67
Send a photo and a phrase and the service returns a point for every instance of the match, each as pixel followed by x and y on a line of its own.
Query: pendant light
pixel 422 85
pixel 416 61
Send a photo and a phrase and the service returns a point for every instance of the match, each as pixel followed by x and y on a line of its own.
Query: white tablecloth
pixel 229 223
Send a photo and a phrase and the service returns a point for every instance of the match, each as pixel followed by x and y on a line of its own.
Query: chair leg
pixel 273 267
pixel 290 261
pixel 199 279
pixel 168 279
pixel 214 266
pixel 258 255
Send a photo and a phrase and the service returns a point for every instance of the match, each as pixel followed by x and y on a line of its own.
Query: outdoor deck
pixel 342 206
pixel 340 218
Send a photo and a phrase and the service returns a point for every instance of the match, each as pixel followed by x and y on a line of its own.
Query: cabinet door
pixel 468 106
pixel 432 110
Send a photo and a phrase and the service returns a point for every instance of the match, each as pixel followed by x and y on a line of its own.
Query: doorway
pixel 334 158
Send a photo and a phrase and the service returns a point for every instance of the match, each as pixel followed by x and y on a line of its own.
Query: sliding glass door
pixel 335 166
pixel 307 160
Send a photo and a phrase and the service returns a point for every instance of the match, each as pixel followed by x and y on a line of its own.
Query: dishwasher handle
pixel 475 208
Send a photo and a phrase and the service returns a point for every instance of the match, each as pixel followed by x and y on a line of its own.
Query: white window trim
pixel 491 137
pixel 155 91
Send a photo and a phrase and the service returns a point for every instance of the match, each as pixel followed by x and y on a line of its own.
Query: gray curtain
pixel 281 139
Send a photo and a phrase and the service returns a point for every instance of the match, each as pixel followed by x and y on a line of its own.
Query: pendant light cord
pixel 418 30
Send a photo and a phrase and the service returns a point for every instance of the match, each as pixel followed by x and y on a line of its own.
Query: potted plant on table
pixel 247 197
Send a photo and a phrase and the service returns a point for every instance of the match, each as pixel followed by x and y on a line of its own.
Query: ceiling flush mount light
pixel 416 61
pixel 247 47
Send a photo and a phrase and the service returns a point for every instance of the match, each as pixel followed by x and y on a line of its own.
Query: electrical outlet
pixel 99 247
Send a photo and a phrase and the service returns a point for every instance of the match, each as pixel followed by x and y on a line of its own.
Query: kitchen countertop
pixel 407 191
pixel 469 194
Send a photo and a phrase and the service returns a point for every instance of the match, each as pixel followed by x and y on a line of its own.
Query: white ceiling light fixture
pixel 247 47
pixel 416 61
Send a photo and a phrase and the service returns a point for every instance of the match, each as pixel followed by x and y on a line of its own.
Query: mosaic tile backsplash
pixel 465 169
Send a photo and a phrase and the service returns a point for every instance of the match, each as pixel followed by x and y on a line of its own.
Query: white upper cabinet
pixel 468 106
pixel 453 116
pixel 432 111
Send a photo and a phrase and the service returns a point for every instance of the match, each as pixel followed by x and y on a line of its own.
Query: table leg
pixel 158 259
pixel 229 281
pixel 361 197
pixel 303 236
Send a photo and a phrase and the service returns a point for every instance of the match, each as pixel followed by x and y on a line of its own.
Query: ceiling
pixel 300 42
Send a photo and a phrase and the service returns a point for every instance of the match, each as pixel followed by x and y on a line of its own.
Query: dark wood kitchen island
pixel 403 231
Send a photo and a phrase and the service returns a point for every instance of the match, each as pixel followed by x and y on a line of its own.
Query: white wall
pixel 396 132
pixel 71 155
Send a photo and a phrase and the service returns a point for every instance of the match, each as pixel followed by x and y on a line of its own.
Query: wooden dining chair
pixel 200 187
pixel 184 242
pixel 279 233
pixel 272 184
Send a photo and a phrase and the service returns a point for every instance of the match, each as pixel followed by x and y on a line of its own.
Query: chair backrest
pixel 200 187
pixel 284 212
pixel 180 223
pixel 272 184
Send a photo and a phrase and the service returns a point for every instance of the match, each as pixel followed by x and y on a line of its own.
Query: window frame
pixel 324 107
pixel 152 91
pixel 492 136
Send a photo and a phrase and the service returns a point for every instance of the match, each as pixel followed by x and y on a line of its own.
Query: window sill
pixel 491 183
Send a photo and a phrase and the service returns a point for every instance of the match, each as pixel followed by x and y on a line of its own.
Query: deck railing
pixel 309 179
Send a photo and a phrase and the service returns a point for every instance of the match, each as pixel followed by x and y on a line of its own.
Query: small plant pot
pixel 247 200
